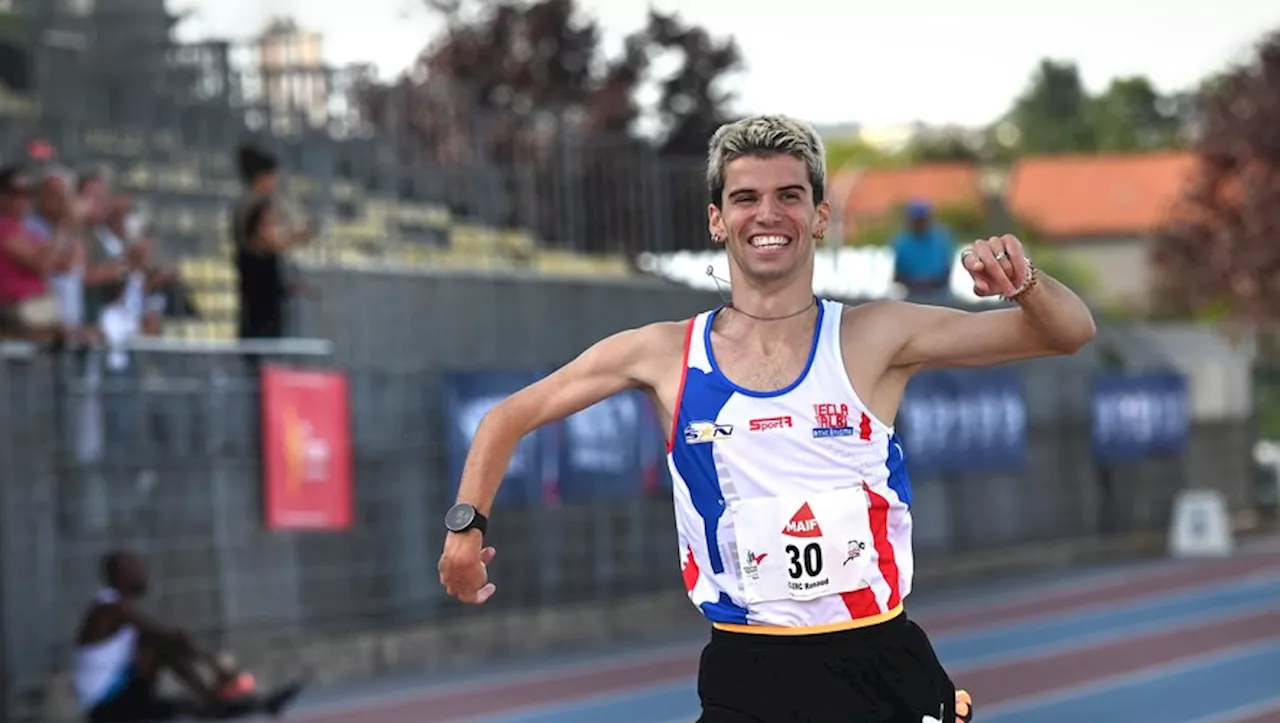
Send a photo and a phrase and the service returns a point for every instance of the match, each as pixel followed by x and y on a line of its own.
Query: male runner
pixel 120 652
pixel 791 495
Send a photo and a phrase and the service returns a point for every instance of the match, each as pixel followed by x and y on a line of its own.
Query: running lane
pixel 1177 642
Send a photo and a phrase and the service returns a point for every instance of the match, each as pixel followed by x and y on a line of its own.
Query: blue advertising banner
pixel 610 450
pixel 1140 415
pixel 468 396
pixel 971 420
pixel 605 448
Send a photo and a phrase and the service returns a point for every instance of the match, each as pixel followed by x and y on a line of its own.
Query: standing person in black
pixel 260 246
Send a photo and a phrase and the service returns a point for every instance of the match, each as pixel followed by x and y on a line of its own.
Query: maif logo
pixel 803 523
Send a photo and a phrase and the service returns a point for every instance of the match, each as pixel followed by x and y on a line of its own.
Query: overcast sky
pixel 832 61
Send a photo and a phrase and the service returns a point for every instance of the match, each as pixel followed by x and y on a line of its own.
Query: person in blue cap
pixel 923 254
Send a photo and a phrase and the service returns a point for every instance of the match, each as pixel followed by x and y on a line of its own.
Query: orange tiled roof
pixel 1097 195
pixel 877 191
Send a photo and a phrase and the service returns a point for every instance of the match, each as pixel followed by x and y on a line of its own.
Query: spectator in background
pixel 260 245
pixel 148 283
pixel 59 217
pixel 107 265
pixel 118 322
pixel 924 253
pixel 28 308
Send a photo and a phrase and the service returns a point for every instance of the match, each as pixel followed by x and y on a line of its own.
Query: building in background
pixel 1099 213
pixel 873 198
pixel 294 81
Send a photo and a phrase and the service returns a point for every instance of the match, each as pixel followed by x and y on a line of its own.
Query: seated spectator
pixel 28 307
pixel 924 254
pixel 120 652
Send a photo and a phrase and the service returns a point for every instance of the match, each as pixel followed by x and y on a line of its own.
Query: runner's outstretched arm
pixel 610 366
pixel 1049 319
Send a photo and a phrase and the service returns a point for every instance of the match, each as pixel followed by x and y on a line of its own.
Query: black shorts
pixel 136 702
pixel 885 673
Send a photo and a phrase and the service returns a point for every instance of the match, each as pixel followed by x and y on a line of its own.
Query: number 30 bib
pixel 802 547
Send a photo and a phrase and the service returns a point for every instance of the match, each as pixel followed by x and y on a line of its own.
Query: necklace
pixel 808 306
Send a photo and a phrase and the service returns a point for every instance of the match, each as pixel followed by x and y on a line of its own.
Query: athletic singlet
pixel 102 669
pixel 792 507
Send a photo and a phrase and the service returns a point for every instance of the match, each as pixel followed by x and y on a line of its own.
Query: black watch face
pixel 459 517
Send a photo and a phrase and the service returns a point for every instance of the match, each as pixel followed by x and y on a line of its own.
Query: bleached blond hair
pixel 766 135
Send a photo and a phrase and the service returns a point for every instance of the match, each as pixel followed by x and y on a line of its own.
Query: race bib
pixel 803 547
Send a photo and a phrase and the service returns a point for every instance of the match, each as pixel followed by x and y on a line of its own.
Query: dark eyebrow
pixel 740 191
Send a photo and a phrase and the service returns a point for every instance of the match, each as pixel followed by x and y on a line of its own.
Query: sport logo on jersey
pixel 803 523
pixel 832 421
pixel 701 432
pixel 764 424
pixel 855 551
pixel 752 565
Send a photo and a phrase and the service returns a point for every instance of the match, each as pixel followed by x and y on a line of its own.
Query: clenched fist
pixel 998 266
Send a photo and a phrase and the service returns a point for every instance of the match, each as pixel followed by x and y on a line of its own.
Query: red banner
pixel 306 449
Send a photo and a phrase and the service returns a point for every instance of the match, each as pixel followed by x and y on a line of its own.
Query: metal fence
pixel 166 459
pixel 110 87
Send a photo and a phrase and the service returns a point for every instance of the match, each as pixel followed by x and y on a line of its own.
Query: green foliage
pixel 1051 115
pixel 1131 115
pixel 943 148
pixel 1056 114
pixel 11 26
pixel 964 222
pixel 1267 402
pixel 854 152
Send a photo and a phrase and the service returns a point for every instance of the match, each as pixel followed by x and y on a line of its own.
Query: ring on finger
pixel 1001 255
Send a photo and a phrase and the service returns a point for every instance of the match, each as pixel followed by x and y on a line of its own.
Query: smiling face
pixel 767 217
pixel 766 179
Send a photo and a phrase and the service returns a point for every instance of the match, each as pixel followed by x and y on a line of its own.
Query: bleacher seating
pixel 186 195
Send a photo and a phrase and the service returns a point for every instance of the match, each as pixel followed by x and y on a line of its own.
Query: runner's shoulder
pixel 647 351
pixel 882 315
pixel 657 340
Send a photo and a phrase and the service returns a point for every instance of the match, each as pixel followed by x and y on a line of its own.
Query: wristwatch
pixel 462 517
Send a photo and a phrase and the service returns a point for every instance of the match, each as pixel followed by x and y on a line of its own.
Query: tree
pixel 522 89
pixel 692 106
pixel 1218 254
pixel 1131 115
pixel 943 148
pixel 1055 114
pixel 857 153
pixel 1050 115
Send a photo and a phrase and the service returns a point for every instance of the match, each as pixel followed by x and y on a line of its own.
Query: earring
pixel 819 236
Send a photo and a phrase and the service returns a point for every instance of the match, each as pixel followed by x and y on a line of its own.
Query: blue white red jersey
pixel 792 506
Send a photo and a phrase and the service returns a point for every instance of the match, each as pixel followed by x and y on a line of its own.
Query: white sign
pixel 1200 526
